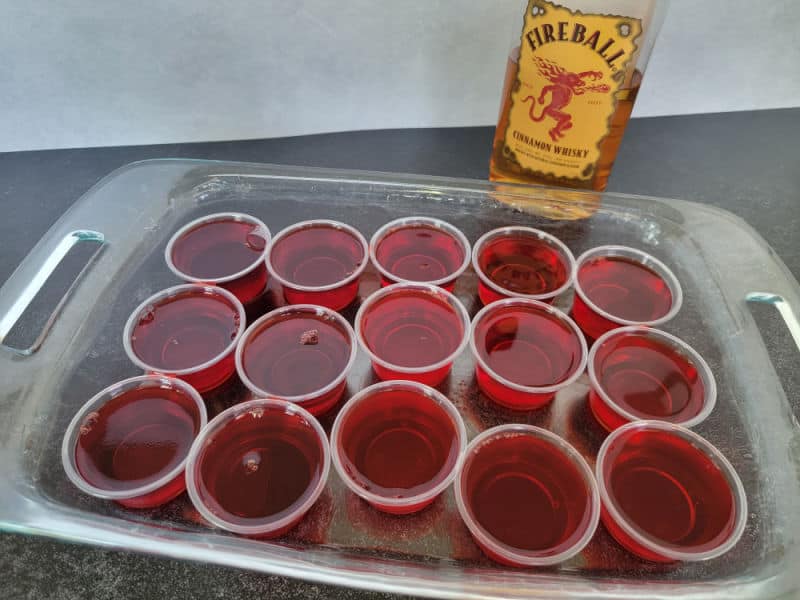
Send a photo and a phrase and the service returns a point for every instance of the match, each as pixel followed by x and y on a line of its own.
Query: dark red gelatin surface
pixel 523 265
pixel 625 289
pixel 136 438
pixel 411 329
pixel 185 331
pixel 263 464
pixel 669 490
pixel 526 493
pixel 316 256
pixel 649 378
pixel 527 346
pixel 296 354
pixel 399 443
pixel 218 249
pixel 420 253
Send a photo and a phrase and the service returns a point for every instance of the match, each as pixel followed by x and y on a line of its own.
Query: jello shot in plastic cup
pixel 188 331
pixel 667 494
pixel 420 250
pixel 412 331
pixel 397 445
pixel 640 373
pixel 521 262
pixel 616 286
pixel 525 351
pixel 227 249
pixel 258 467
pixel 301 353
pixel 319 262
pixel 130 442
pixel 527 497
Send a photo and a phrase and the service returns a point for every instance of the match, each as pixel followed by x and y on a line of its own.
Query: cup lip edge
pixel 220 216
pixel 710 383
pixel 330 224
pixel 174 291
pixel 308 397
pixel 70 440
pixel 451 300
pixel 219 422
pixel 435 396
pixel 562 316
pixel 665 274
pixel 542 235
pixel 707 449
pixel 451 229
pixel 517 555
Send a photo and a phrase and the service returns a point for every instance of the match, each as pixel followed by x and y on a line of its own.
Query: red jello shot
pixel 300 353
pixel 187 331
pixel 412 331
pixel 420 250
pixel 521 262
pixel 319 262
pixel 525 351
pixel 640 373
pixel 397 445
pixel 226 249
pixel 130 442
pixel 669 495
pixel 258 467
pixel 527 497
pixel 617 286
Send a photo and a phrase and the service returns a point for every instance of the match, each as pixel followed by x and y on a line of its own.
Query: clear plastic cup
pixel 188 331
pixel 228 249
pixel 300 353
pixel 657 297
pixel 521 262
pixel 319 262
pixel 420 250
pixel 412 331
pixel 258 467
pixel 525 351
pixel 527 496
pixel 669 495
pixel 641 373
pixel 397 445
pixel 130 442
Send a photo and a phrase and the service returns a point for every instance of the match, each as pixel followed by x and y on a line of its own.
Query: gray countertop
pixel 747 163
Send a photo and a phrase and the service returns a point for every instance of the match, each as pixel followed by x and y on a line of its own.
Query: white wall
pixel 107 72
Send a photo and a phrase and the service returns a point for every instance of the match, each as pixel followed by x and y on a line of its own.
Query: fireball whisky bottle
pixel 571 82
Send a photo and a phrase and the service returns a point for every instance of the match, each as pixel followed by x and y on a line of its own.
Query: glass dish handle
pixel 32 298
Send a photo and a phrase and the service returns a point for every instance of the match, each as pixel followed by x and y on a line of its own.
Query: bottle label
pixel 571 70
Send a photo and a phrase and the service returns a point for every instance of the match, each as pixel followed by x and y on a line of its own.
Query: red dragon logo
pixel 564 86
